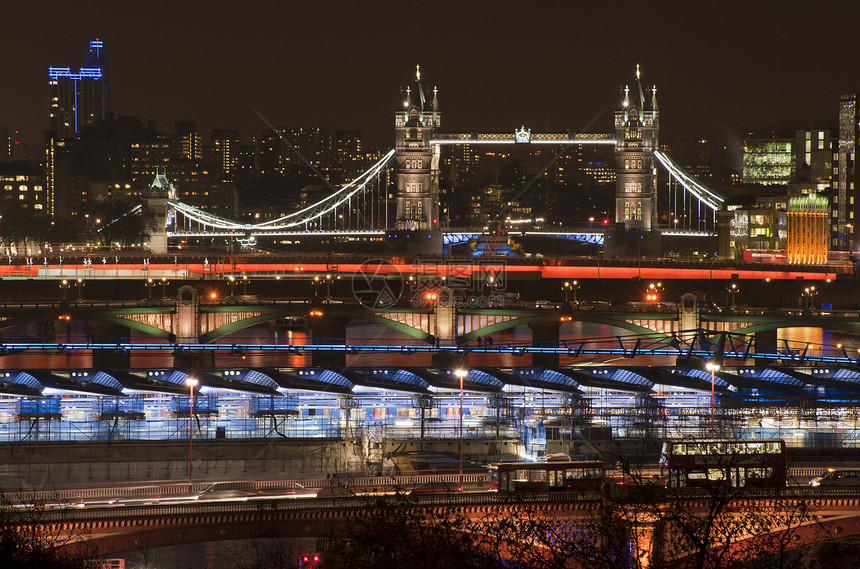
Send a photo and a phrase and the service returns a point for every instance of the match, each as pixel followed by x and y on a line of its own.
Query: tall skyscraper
pixel 225 151
pixel 189 143
pixel 79 98
pixel 844 207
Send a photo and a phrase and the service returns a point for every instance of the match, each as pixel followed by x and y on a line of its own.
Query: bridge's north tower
pixel 637 127
pixel 416 220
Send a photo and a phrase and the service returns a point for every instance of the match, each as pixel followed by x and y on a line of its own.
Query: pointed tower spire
pixel 435 99
pixel 654 98
pixel 625 102
pixel 418 73
pixel 640 102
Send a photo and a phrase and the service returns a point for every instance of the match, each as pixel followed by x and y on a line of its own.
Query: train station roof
pixel 786 380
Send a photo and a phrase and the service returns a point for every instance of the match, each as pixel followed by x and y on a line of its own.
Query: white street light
pixel 191 383
pixel 461 374
pixel 713 368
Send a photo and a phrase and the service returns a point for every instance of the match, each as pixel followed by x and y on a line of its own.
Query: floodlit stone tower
pixel 416 222
pixel 637 127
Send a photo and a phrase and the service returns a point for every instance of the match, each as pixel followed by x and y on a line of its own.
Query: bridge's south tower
pixel 417 167
pixel 637 126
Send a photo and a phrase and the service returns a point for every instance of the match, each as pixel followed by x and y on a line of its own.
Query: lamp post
pixel 328 280
pixel 810 293
pixel 231 284
pixel 713 368
pixel 191 383
pixel 149 283
pixel 569 286
pixel 731 290
pixel 652 293
pixel 64 286
pixel 461 374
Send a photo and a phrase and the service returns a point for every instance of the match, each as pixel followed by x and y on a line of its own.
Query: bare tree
pixel 33 537
pixel 396 532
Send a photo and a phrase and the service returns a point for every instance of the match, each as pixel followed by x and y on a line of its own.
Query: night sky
pixel 719 66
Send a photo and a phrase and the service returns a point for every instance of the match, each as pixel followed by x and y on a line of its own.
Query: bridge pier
pixel 644 530
pixel 545 334
pixel 191 360
pixel 445 332
pixel 766 341
pixel 109 359
pixel 327 329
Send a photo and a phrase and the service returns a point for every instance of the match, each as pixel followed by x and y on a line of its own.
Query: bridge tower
pixel 160 191
pixel 637 127
pixel 416 223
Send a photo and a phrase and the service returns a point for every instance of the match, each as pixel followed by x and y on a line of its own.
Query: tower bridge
pixel 411 224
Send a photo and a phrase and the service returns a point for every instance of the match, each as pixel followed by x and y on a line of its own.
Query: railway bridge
pixel 189 318
pixel 826 515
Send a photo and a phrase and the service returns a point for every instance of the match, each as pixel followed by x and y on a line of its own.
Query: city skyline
pixel 340 66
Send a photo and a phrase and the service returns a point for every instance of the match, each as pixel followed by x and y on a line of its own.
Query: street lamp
pixel 64 286
pixel 713 368
pixel 810 293
pixel 149 283
pixel 652 293
pixel 731 290
pixel 191 383
pixel 231 284
pixel 569 286
pixel 80 284
pixel 328 280
pixel 461 374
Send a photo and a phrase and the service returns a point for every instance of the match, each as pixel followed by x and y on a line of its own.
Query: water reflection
pixel 363 332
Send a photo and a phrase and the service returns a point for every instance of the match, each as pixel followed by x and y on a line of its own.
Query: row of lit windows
pixel 632 210
pixel 413 209
pixel 22 188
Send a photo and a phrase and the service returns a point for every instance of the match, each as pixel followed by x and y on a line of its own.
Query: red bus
pixel 738 463
pixel 765 256
pixel 552 475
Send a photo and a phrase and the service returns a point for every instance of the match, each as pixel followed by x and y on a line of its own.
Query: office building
pixel 347 160
pixel 199 184
pixel 226 146
pixel 79 98
pixel 24 184
pixel 806 221
pixel 768 161
pixel 189 143
pixel 843 203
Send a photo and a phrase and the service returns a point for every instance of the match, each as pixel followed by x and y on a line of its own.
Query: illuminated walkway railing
pixel 629 346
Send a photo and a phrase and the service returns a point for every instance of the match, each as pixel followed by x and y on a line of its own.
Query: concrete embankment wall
pixel 49 465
